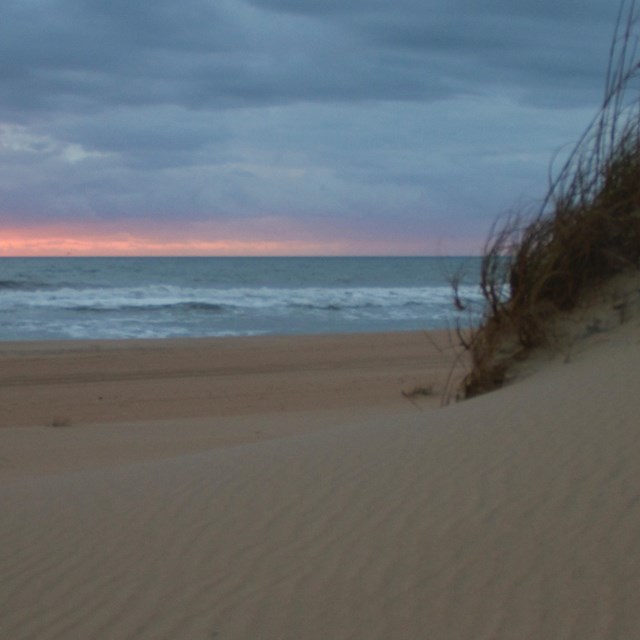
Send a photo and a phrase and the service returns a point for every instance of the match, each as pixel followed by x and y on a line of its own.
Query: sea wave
pixel 145 308
pixel 164 297
pixel 22 285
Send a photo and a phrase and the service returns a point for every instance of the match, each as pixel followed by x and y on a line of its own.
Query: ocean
pixel 115 298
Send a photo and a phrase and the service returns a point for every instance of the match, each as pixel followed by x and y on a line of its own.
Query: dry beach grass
pixel 586 231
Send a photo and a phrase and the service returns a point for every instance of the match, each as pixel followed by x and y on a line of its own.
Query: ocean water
pixel 91 298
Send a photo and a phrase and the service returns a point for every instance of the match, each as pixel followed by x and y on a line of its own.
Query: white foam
pixel 239 297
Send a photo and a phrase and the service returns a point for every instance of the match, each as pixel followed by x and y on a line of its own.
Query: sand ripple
pixel 516 515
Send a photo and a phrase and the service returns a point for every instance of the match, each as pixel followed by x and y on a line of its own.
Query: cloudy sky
pixel 330 127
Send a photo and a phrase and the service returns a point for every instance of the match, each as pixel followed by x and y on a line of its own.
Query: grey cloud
pixel 82 55
pixel 533 47
pixel 163 136
pixel 351 110
pixel 86 54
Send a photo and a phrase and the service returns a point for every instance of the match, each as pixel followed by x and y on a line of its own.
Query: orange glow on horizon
pixel 100 239
pixel 36 243
pixel 75 242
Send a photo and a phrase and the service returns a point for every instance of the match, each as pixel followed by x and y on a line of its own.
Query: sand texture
pixel 285 490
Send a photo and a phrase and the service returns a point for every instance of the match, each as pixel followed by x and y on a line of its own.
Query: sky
pixel 286 127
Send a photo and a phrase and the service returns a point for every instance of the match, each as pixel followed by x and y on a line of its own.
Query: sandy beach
pixel 149 398
pixel 287 489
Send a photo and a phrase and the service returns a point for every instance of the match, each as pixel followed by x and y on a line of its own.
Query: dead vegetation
pixel 586 230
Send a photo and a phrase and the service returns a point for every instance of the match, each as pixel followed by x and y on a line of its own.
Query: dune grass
pixel 586 230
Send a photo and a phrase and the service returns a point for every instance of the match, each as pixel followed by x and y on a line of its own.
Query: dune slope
pixel 514 515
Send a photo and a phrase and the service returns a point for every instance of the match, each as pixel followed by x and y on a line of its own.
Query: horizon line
pixel 233 257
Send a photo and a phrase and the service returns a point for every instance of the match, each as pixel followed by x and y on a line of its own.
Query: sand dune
pixel 514 515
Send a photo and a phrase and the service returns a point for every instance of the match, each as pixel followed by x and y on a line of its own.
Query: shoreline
pixel 5 345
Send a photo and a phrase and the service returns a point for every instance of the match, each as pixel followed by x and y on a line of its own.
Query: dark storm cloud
pixel 71 54
pixel 537 47
pixel 78 55
pixel 326 108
